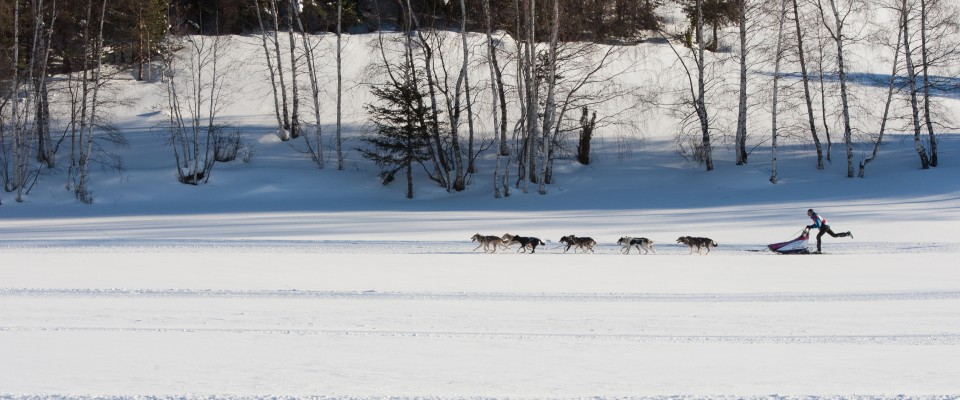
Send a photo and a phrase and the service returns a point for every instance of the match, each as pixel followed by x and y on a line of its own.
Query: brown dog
pixel 699 242
pixel 582 243
pixel 487 242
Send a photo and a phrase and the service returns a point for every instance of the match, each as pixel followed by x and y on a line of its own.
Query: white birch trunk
pixel 886 106
pixel 912 78
pixel 806 87
pixel 550 112
pixel 314 92
pixel 493 98
pixel 776 87
pixel 339 83
pixel 285 129
pixel 926 83
pixel 295 98
pixel 701 91
pixel 14 100
pixel 270 70
pixel 741 136
pixel 466 84
pixel 837 33
pixel 82 191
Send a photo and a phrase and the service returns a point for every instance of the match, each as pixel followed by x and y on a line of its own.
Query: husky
pixel 582 243
pixel 698 242
pixel 524 242
pixel 640 243
pixel 487 242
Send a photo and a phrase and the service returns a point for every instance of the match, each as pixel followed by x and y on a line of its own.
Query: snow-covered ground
pixel 277 279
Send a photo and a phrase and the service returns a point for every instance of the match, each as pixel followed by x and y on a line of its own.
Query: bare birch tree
pixel 285 110
pixel 196 92
pixel 741 136
pixel 835 29
pixel 806 85
pixel 782 17
pixel 315 154
pixel 292 5
pixel 339 84
pixel 912 84
pixel 496 96
pixel 891 85
pixel 270 70
pixel 82 190
pixel 551 107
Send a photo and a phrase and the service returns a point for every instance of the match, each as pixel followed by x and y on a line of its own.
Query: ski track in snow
pixel 437 247
pixel 484 296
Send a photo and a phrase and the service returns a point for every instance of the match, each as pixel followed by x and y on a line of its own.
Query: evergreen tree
pixel 402 137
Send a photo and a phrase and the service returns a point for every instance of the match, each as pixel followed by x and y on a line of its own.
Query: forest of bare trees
pixel 518 79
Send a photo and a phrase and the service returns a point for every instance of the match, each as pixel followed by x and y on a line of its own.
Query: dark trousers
pixel 826 229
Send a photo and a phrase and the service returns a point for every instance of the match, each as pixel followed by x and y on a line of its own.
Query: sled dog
pixel 640 243
pixel 698 242
pixel 582 243
pixel 488 242
pixel 524 242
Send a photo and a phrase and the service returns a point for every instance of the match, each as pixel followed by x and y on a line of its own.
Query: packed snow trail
pixel 357 319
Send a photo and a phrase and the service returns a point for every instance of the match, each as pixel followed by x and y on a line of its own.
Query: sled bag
pixel 795 246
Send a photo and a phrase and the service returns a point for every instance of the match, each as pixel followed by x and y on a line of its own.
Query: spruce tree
pixel 401 139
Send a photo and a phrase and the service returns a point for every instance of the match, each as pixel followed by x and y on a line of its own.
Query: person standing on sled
pixel 821 224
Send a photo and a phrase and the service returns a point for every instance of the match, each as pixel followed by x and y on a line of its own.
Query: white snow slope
pixel 279 280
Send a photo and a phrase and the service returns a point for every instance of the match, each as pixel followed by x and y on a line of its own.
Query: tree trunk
pixel 841 70
pixel 551 106
pixel 493 97
pixel 701 101
pixel 14 94
pixel 295 98
pixel 741 137
pixel 440 162
pixel 533 103
pixel 776 87
pixel 886 107
pixel 285 129
pixel 926 83
pixel 270 70
pixel 314 92
pixel 339 84
pixel 912 78
pixel 823 109
pixel 45 149
pixel 806 86
pixel 82 192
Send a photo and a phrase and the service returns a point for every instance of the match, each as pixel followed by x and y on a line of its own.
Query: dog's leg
pixel 481 245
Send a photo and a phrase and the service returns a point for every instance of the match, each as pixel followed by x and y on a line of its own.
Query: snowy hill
pixel 279 279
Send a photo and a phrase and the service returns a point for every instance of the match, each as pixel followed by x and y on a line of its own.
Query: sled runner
pixel 795 246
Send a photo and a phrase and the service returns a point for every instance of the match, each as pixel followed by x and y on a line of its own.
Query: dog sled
pixel 795 246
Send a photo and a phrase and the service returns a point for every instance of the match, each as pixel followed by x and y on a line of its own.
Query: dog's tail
pixel 541 242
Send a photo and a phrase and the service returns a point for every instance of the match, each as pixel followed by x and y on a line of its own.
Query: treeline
pixel 535 77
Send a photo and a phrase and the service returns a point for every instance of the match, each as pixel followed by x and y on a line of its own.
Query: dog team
pixel 584 244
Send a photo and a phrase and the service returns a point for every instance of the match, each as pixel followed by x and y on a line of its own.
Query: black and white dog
pixel 640 243
pixel 524 242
